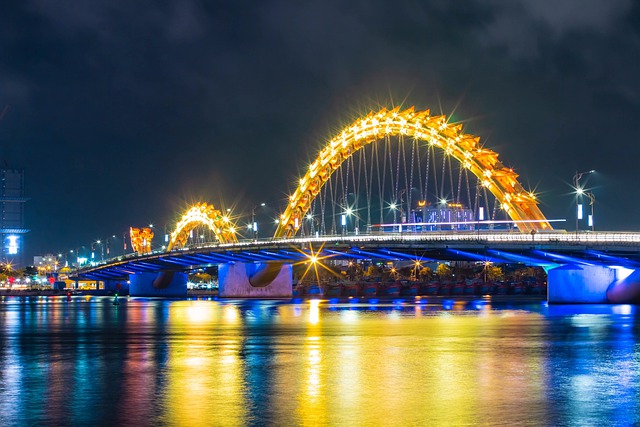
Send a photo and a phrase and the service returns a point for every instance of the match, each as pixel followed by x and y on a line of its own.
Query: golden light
pixel 203 214
pixel 314 260
pixel 314 311
pixel 419 125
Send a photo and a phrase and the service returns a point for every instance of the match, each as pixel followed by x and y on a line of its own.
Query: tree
pixel 372 271
pixel 443 271
pixel 30 271
pixel 425 273
pixel 494 273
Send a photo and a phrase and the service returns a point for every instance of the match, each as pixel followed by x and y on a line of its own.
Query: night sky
pixel 123 112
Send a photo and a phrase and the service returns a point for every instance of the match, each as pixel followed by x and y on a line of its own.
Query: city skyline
pixel 123 117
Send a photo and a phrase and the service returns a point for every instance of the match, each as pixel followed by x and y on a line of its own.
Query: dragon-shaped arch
pixel 203 214
pixel 502 182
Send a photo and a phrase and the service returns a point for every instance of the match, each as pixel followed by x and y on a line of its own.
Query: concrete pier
pixel 255 280
pixel 164 284
pixel 593 284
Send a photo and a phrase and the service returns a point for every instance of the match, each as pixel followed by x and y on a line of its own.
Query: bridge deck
pixel 544 248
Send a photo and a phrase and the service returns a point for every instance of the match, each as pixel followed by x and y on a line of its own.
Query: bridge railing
pixel 488 236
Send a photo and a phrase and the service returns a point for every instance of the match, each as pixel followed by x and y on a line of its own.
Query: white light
pixel 295 222
pixel 309 216
pixel 343 220
pixel 255 226
pixel 13 245
pixel 392 206
pixel 349 211
pixel 580 191
pixel 481 214
pixel 166 237
pixel 580 211
pixel 443 201
pixel 590 220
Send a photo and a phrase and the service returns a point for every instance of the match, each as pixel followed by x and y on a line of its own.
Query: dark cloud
pixel 121 112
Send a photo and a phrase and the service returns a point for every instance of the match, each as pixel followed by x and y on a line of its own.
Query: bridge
pixel 392 186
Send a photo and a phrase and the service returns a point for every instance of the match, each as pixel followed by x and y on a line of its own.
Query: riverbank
pixel 210 295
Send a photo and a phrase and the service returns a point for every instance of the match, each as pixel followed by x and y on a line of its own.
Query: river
pixel 310 362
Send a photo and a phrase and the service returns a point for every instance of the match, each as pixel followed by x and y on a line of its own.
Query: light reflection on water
pixel 194 362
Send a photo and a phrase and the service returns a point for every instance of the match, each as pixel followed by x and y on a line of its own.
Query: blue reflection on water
pixel 86 362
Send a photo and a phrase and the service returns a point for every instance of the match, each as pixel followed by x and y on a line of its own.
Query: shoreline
pixel 362 299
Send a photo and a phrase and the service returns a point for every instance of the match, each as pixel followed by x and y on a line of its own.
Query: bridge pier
pixel 255 280
pixel 164 284
pixel 593 284
pixel 119 286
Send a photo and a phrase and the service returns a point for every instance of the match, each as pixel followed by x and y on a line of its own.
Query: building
pixel 12 226
pixel 445 216
pixel 46 264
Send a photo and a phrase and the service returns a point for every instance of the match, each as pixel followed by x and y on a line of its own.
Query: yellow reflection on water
pixel 314 311
pixel 348 366
pixel 204 370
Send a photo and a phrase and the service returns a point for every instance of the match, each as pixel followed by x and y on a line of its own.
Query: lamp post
pixel 254 224
pixel 592 202
pixel 108 244
pixel 579 192
pixel 93 254
pixel 393 208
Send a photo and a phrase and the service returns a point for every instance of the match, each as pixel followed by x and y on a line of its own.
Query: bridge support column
pixel 119 286
pixel 164 284
pixel 593 284
pixel 255 280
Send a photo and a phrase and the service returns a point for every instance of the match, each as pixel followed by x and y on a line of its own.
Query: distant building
pixel 46 263
pixel 443 216
pixel 12 226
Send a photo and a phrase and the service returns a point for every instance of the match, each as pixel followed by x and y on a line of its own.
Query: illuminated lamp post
pixel 579 192
pixel 108 245
pixel 592 202
pixel 124 243
pixel 254 224
pixel 93 254
pixel 393 207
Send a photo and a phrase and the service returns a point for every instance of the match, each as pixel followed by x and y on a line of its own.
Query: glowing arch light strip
pixel 518 203
pixel 204 214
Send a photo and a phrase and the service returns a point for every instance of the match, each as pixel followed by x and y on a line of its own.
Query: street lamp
pixel 592 202
pixel 108 245
pixel 393 207
pixel 254 224
pixel 579 192
pixel 93 254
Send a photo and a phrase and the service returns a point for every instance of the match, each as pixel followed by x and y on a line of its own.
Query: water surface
pixel 403 362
